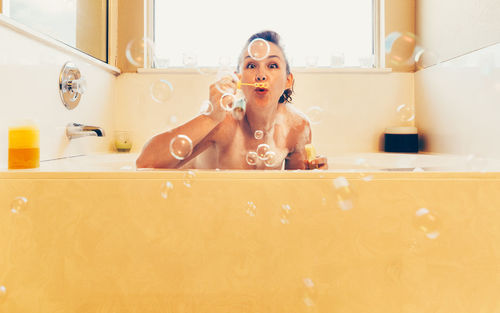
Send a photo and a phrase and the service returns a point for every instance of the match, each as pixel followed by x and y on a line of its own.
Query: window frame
pixel 378 46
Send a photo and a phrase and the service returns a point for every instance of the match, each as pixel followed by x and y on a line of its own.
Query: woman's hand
pixel 217 89
pixel 320 162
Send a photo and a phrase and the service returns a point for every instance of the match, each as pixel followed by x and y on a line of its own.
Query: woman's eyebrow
pixel 271 56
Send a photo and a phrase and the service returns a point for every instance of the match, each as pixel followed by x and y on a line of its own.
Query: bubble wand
pixel 256 85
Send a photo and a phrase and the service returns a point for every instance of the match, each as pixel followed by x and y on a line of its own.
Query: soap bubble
pixel 166 188
pixel 309 292
pixel 428 222
pixel 270 158
pixel 262 149
pixel 389 41
pixel 308 283
pixel 258 49
pixel 161 90
pixel 3 293
pixel 188 178
pixel 425 58
pixel 405 113
pixel 363 164
pixel 181 147
pixel 239 109
pixel 136 49
pixel 251 157
pixel 343 193
pixel 315 114
pixel 285 213
pixel 258 134
pixel 19 204
pixel 251 208
pixel 400 48
pixel 206 107
pixel 227 100
pixel 224 78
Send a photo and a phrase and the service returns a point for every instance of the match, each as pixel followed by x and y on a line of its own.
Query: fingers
pixel 318 163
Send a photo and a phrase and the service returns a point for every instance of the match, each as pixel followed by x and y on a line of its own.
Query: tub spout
pixel 75 130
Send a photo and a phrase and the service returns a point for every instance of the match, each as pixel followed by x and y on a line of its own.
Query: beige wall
pixel 456 100
pixel 130 27
pixel 357 107
pixel 399 17
pixel 450 28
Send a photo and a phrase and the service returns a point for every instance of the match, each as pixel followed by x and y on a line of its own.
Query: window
pixel 317 33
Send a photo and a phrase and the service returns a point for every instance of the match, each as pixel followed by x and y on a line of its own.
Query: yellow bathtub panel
pixel 112 242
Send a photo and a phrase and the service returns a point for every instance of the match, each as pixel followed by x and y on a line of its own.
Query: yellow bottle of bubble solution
pixel 24 146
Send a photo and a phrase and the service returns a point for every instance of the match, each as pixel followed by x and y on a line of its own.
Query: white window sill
pixel 213 70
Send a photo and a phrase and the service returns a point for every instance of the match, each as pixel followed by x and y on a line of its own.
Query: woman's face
pixel 271 70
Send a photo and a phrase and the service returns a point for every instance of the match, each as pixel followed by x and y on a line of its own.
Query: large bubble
pixel 252 157
pixel 161 90
pixel 227 100
pixel 181 147
pixel 404 49
pixel 262 149
pixel 225 78
pixel 405 113
pixel 271 159
pixel 206 107
pixel 400 47
pixel 137 49
pixel 258 49
pixel 315 114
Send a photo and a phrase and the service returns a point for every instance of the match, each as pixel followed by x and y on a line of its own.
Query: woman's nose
pixel 261 78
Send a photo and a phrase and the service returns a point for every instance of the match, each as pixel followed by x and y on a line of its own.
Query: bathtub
pixel 344 162
pixel 92 234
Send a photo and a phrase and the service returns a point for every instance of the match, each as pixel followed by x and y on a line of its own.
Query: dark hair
pixel 274 37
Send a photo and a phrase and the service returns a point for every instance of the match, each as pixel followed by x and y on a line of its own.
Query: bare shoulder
pixel 296 119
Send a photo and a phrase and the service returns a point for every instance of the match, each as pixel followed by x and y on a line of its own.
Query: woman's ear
pixel 289 81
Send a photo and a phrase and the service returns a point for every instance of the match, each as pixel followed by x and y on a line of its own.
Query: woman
pixel 271 130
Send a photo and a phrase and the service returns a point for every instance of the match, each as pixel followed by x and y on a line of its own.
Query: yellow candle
pixel 24 147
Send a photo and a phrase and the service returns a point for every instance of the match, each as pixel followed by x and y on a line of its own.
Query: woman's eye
pixel 250 65
pixel 273 65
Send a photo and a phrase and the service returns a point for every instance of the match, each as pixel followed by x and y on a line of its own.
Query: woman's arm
pixel 156 152
pixel 298 158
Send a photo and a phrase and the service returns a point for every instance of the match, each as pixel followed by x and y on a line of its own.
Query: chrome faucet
pixel 75 130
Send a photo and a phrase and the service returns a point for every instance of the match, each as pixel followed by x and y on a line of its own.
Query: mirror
pixel 81 24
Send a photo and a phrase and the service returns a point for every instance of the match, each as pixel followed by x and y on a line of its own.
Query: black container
pixel 401 139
